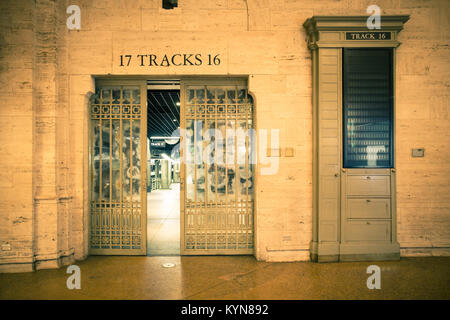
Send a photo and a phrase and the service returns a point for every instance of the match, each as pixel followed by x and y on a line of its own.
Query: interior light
pixel 168 265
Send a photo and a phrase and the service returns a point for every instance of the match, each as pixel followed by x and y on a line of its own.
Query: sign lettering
pixel 159 144
pixel 367 36
pixel 177 60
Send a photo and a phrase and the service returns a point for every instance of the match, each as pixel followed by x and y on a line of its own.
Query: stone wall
pixel 47 73
pixel 16 133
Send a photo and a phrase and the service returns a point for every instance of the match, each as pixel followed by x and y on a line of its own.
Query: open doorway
pixel 193 207
pixel 163 168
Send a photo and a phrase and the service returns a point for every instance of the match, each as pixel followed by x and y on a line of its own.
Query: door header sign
pixel 367 36
pixel 353 31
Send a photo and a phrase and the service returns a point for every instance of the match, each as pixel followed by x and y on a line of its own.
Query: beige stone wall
pixel 423 120
pixel 47 75
pixel 16 132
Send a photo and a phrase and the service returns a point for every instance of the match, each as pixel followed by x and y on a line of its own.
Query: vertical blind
pixel 367 108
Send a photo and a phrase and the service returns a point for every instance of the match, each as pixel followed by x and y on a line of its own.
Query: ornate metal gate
pixel 217 173
pixel 118 198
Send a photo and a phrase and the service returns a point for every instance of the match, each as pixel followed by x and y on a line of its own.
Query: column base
pixel 33 265
pixel 324 251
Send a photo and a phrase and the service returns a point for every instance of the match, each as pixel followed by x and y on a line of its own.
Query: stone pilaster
pixel 51 200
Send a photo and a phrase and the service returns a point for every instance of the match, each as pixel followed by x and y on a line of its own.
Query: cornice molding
pixel 317 25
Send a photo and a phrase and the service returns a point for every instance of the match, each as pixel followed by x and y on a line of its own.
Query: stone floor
pixel 232 277
pixel 163 222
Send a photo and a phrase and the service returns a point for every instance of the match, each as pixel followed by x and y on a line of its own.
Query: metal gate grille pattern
pixel 116 213
pixel 219 179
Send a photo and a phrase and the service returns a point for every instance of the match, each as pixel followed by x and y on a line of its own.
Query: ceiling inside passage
pixel 163 112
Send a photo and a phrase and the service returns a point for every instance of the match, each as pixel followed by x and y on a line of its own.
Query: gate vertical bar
pixel 183 160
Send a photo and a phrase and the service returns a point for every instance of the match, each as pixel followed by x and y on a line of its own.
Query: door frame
pixel 141 80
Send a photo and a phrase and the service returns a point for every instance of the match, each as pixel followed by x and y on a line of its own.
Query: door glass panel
pixel 96 161
pixel 136 164
pixel 116 96
pixel 106 96
pixel 115 160
pixel 210 153
pixel 105 160
pixel 190 157
pixel 136 96
pixel 368 111
pixel 200 96
pixel 230 160
pixel 126 96
pixel 200 164
pixel 126 150
pixel 220 96
pixel 221 156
